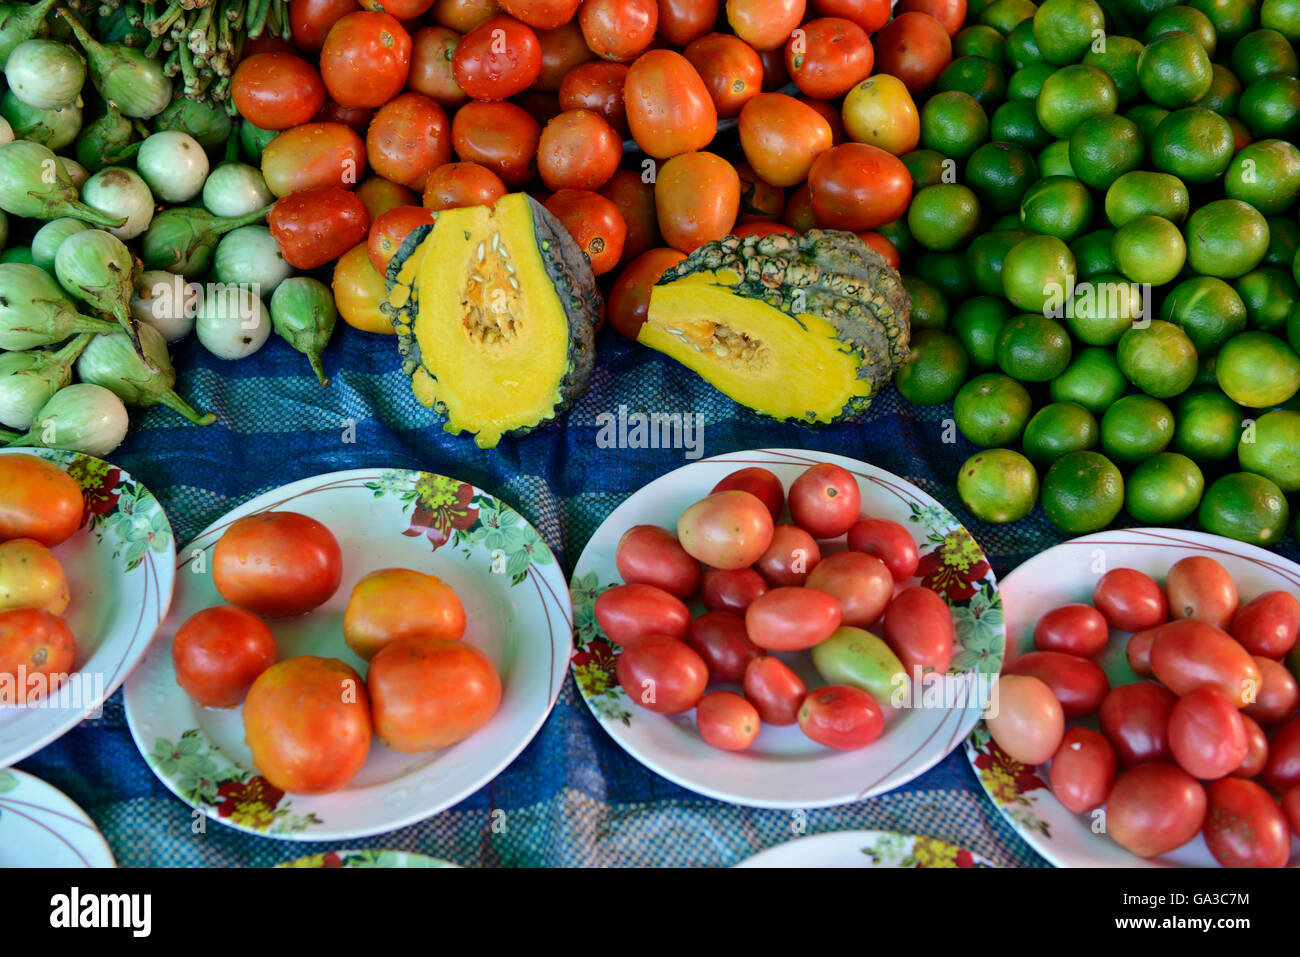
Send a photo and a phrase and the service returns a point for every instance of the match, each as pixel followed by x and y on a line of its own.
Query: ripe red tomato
pixel 650 555
pixel 402 9
pixel 1244 827
pixel 857 186
pixel 595 224
pixel 890 542
pixel 721 640
pixel 1283 768
pixel 731 70
pixel 365 59
pixel 311 20
pixel 871 15
pixel 763 229
pixel 563 49
pixel 314 226
pixel 760 202
pixel 726 529
pixel 313 155
pixel 497 59
pixel 764 24
pixel 1278 694
pixel 1155 809
pixel 915 48
pixel 635 199
pixel 1130 600
pixel 1025 719
pixel 760 483
pixel 791 619
pixel 950 13
pixel 1256 750
pixel 275 91
pixel 1199 587
pixel 1206 734
pixel 629 299
pixel 727 721
pixel 663 674
pixel 354 117
pixel 578 150
pixel 432 49
pixel 828 57
pixel 500 136
pixel 669 110
pixel 463 15
pixel 41 501
pixel 841 717
pixel 619 29
pixel 697 198
pixel 1083 770
pixel 774 73
pixel 683 21
pixel 1135 718
pixel 1190 652
pixel 830 112
pixel 1075 629
pixel 880 244
pixel 1138 652
pixel 781 137
pixel 1268 625
pixel 791 556
pixel 277 564
pixel 918 626
pixel 541 14
pixel 1291 805
pixel 41 645
pixel 454 185
pixel 860 583
pixel 409 137
pixel 389 231
pixel 731 590
pixel 775 690
pixel 627 614
pixel 428 693
pixel 1078 683
pixel 378 195
pixel 597 86
pixel 825 500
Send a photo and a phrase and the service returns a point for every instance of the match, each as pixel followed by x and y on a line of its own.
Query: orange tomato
pixel 313 155
pixel 395 603
pixel 360 292
pixel 40 500
pixel 858 187
pixel 880 111
pixel 826 57
pixel 915 48
pixel 378 195
pixel 669 110
pixel 563 48
pixel 950 13
pixel 781 137
pixel 578 150
pixel 730 69
pixel 500 136
pixel 681 21
pixel 462 184
pixel 635 199
pixel 218 654
pixel 41 645
pixel 764 24
pixel 759 201
pixel 277 564
pixel 389 231
pixel 629 299
pixel 595 224
pixel 408 138
pixel 697 198
pixel 31 577
pixel 619 29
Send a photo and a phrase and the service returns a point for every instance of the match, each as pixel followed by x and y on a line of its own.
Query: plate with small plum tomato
pixel 41 827
pixel 516 612
pixel 783 767
pixel 119 568
pixel 870 849
pixel 1068 574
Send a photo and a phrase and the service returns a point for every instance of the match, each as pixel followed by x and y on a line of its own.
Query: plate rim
pixel 857 834
pixel 95 837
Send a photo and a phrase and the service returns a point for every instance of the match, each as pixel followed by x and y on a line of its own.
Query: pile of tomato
pixel 1209 745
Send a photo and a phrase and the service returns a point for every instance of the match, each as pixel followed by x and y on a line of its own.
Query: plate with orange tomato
pixel 351 653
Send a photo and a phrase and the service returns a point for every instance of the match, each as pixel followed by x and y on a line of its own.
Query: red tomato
pixel 731 590
pixel 858 186
pixel 402 9
pixel 1130 600
pixel 1025 719
pixel 353 117
pixel 890 542
pixel 764 229
pixel 759 201
pixel 267 43
pixel 38 645
pixel 1201 588
pixel 1190 652
pixel 760 483
pixel 1283 768
pixel 1268 625
pixel 432 49
pixel 541 14
pixel 313 155
pixel 726 530
pixel 871 15
pixel 595 224
pixel 841 717
pixel 277 564
pixel 500 136
pixel 41 501
pixel 365 59
pixel 791 556
pixel 1138 652
pixel 618 29
pixel 880 244
pixel 497 59
pixel 774 74
pixel 825 500
pixel 598 87
pixel 1244 827
pixel 1155 809
pixel 578 150
pixel 311 20
pixel 1083 770
pixel 378 195
pixel 727 721
pixel 791 619
pixel 775 690
pixel 1291 805
pixel 635 199
pixel 650 555
pixel 781 137
pixel 860 583
pixel 697 198
pixel 454 185
pixel 1278 694
pixel 1206 734
pixel 663 674
pixel 918 626
pixel 798 213
pixel 275 91
pixel 764 24
pixel 730 69
pixel 428 693
pixel 389 231
pixel 1078 683
pixel 1256 750
pixel 830 112
pixel 950 13
pixel 683 21
pixel 721 640
pixel 669 110
pixel 915 48
pixel 1136 720
pixel 629 299
pixel 408 139
pixel 1075 629
pixel 627 614
pixel 316 225
pixel 463 15
pixel 563 49
pixel 828 57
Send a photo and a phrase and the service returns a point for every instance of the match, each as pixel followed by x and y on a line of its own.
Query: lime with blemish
pixel 998 485
pixel 992 409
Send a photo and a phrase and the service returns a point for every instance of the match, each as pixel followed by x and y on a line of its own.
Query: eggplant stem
pixel 317 366
pixel 92 326
pixel 171 398
pixel 79 210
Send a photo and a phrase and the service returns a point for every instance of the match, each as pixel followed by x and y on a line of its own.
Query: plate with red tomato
pixel 785 628
pixel 351 653
pixel 1146 715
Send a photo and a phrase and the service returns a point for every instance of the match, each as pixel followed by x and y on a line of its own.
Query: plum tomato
pixel 841 717
pixel 454 185
pixel 765 24
pixel 541 14
pixel 402 9
pixel 858 658
pixel 1268 625
pixel 1025 719
pixel 314 226
pixel 619 29
pixel 1283 768
pixel 721 640
pixel 378 195
pixel 914 47
pixel 41 501
pixel 731 70
pixel 277 564
pixel 669 110
pixel 353 117
pixel 32 577
pixel 871 15
pixel 597 86
pixel 1083 770
pixel 1154 809
pixel 1078 683
pixel 595 224
pixel 1291 805
pixel 1188 652
pixel 1244 826
pixel 409 137
pixel 1207 737
pixel 731 589
pixel 463 15
pixel 650 555
pixel 627 614
pixel 501 136
pixel 950 13
pixel 563 48
pixel 791 556
pixel 393 603
pixel 1138 652
pixel 389 231
pixel 663 674
pixel 1256 749
pixel 890 542
pixel 1076 629
pixel 781 138
pixel 1135 719
pixel 760 202
pixel 41 645
pixel 629 298
pixel 727 721
pixel 635 200
pixel 825 500
pixel 365 59
pixel 827 57
pixel 432 49
pixel 697 199
pixel 311 20
pixel 856 186
pixel 860 583
pixel 218 654
pixel 275 91
pixel 726 530
pixel 759 482
pixel 578 150
pixel 315 154
pixel 1199 587
pixel 791 619
pixel 1130 600
pixel 683 21
pixel 1278 694
pixel 775 690
pixel 918 627
pixel 497 59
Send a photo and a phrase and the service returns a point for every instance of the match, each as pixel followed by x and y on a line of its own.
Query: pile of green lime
pixel 1109 293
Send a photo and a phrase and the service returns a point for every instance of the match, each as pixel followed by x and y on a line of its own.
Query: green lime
pixel 1064 29
pixel 1164 489
pixel 986 254
pixel 975 7
pixel 1149 249
pixel 943 216
pixel 929 307
pixel 1283 242
pixel 1272 449
pixel 1232 19
pixel 1016 121
pixel 1224 93
pixel 1188 20
pixel 1026 82
pixel 1258 370
pixel 1226 238
pixel 1000 173
pixel 898 234
pixel 1194 144
pixel 1282 16
pixel 991 409
pixel 934 371
pixel 1054 160
pixel 1082 492
pixel 976 76
pixel 1072 94
pixel 1003 15
pixel 1138 12
pixel 1207 372
pixel 1037 270
pixel 1271 107
pixel 947 272
pixel 1104 148
pixel 1262 53
pixel 1093 380
pixel 1103 308
pixel 979 40
pixel 1207 309
pixel 1092 254
pixel 976 324
pixel 1119 59
pixel 1293 322
pixel 1010 221
pixel 954 124
pixel 1022 51
pixel 1057 429
pixel 928 168
pixel 1174 70
pixel 1266 175
pixel 998 486
pixel 1207 425
pixel 1158 358
pixel 1143 193
pixel 1059 206
pixel 1269 294
pixel 1245 506
pixel 1033 348
pixel 1136 427
pixel 1147 116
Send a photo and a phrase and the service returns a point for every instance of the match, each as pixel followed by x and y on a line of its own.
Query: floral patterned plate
pixel 518 614
pixel 784 768
pixel 120 570
pixel 865 849
pixel 381 859
pixel 1068 573
pixel 41 827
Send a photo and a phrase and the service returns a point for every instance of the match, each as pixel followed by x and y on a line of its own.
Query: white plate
pixel 517 611
pixel 380 859
pixel 844 849
pixel 120 568
pixel 1068 573
pixel 783 768
pixel 41 827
